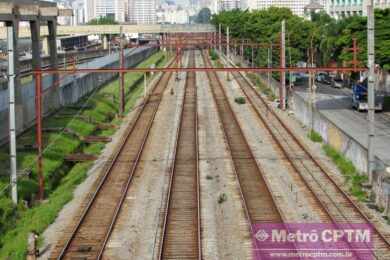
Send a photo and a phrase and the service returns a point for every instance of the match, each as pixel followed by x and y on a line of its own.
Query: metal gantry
pixel 177 42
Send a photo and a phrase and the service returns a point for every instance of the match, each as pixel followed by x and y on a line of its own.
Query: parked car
pixel 323 77
pixel 300 79
pixel 337 82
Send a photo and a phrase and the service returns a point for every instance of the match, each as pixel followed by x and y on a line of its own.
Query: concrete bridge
pixel 24 32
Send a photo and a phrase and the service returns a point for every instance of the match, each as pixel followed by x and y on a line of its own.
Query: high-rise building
pixel 296 6
pixel 142 11
pixel 78 7
pixel 345 8
pixel 105 8
pixel 224 5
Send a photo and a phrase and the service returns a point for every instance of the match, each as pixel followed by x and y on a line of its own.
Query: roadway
pixel 336 105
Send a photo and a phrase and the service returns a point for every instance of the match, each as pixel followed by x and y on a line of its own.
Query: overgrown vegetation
pixel 213 55
pixel 314 136
pixel 240 100
pixel 222 198
pixel 353 178
pixel 203 16
pixel 262 87
pixel 386 104
pixel 108 20
pixel 60 178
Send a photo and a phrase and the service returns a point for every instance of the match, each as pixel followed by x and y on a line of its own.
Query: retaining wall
pixel 351 148
pixel 71 89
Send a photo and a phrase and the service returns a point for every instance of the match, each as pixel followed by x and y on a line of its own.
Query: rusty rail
pixel 89 237
pixel 289 144
pixel 258 200
pixel 181 237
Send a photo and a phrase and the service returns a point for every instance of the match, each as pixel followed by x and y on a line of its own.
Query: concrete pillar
pixel 13 87
pixel 18 90
pixel 53 96
pixel 15 25
pixel 52 39
pixel 105 42
pixel 35 45
pixel 45 45
pixel 32 246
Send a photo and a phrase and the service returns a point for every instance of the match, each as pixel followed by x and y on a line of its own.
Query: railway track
pixel 181 229
pixel 92 230
pixel 333 203
pixel 258 201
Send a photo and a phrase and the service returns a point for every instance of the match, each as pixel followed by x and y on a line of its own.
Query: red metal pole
pixel 38 111
pixel 242 51
pixel 122 83
pixel 282 90
pixel 355 52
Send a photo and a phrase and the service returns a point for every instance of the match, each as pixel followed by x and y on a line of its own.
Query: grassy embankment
pixel 61 178
pixel 353 178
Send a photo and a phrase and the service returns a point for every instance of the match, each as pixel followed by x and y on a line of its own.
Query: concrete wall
pixel 344 143
pixel 331 134
pixel 71 89
pixel 384 82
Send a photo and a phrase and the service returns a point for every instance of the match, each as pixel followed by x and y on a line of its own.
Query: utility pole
pixel 145 85
pixel 220 38
pixel 242 51
pixel 121 76
pixel 371 89
pixel 270 66
pixel 253 57
pixel 282 90
pixel 12 119
pixel 38 106
pixel 312 86
pixel 228 50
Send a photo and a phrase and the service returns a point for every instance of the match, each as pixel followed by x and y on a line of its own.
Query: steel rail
pixel 284 151
pixel 278 216
pixel 108 172
pixel 190 83
pixel 290 159
pixel 306 152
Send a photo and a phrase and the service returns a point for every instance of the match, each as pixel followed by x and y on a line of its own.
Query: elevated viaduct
pixel 24 32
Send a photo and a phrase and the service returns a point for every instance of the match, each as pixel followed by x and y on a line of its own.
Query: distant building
pixel 105 8
pixel 345 8
pixel 64 20
pixel 78 7
pixel 296 6
pixel 225 5
pixel 142 11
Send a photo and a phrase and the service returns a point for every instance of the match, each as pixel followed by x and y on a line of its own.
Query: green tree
pixel 107 20
pixel 330 38
pixel 204 16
